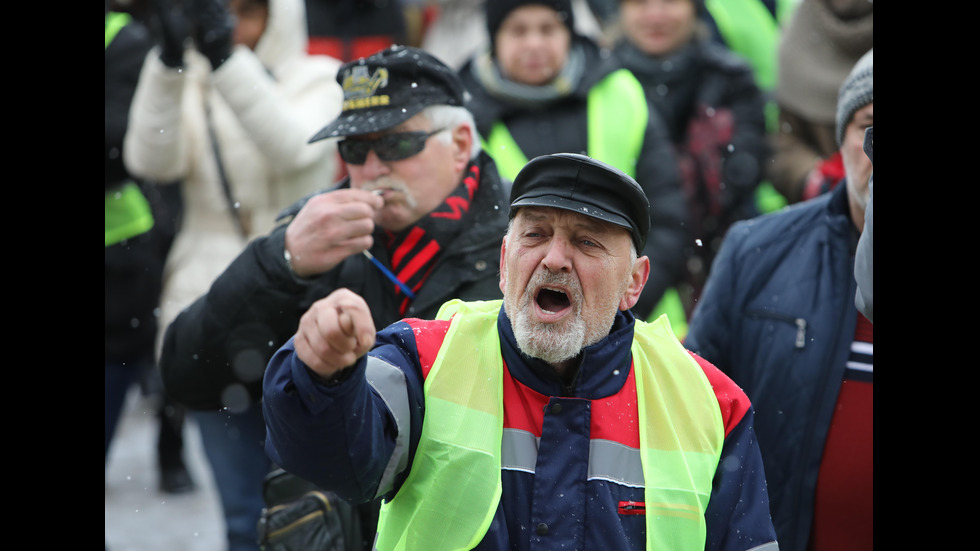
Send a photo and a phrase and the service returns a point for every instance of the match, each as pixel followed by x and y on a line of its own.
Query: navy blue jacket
pixel 351 438
pixel 778 317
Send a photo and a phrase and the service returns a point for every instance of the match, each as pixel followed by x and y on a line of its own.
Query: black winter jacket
pixel 715 114
pixel 219 346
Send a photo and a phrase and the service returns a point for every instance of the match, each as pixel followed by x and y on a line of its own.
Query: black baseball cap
pixel 584 185
pixel 388 88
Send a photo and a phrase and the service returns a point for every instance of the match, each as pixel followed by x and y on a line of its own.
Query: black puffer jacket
pixel 215 352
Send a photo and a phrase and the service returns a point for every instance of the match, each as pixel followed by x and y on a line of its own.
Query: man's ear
pixel 463 136
pixel 641 271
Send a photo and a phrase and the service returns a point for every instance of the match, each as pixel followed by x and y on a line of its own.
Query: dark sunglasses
pixel 389 147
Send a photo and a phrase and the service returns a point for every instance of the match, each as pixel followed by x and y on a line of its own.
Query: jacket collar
pixel 839 210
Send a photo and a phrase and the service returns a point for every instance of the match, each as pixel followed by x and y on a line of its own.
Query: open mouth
pixel 552 301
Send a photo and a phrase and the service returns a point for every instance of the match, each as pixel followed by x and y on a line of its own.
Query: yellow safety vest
pixel 451 494
pixel 617 119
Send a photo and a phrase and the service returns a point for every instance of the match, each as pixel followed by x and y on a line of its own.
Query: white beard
pixel 549 342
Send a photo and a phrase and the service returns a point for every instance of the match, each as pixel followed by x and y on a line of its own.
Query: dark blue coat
pixel 347 438
pixel 778 317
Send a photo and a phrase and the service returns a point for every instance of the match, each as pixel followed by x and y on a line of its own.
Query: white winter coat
pixel 263 107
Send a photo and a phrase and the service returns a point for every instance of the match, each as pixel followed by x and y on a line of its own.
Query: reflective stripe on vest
pixel 454 487
pixel 617 121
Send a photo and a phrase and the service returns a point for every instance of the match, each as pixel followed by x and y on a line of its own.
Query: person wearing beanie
pixel 855 114
pixel 856 92
pixel 540 88
pixel 715 114
pixel 497 12
pixel 550 419
pixel 819 46
pixel 778 315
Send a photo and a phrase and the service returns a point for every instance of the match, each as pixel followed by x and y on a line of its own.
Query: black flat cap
pixel 388 88
pixel 584 185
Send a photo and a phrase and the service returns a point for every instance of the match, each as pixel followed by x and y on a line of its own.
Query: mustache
pixel 394 184
pixel 385 182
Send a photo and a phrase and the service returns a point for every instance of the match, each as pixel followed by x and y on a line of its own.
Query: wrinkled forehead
pixel 566 218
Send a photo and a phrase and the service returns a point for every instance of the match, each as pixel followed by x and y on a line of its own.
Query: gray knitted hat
pixel 857 91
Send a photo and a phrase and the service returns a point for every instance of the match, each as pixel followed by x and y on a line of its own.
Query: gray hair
pixel 451 116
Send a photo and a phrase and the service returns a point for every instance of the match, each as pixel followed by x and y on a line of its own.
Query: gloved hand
pixel 213 29
pixel 171 29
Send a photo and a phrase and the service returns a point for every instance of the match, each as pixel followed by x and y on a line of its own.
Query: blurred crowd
pixel 724 111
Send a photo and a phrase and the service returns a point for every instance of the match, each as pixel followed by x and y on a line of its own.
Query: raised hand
pixel 334 333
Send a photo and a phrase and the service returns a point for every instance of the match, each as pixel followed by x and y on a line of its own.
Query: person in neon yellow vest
pixel 542 87
pixel 138 228
pixel 551 419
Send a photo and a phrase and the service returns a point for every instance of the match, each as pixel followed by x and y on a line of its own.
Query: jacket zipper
pixel 800 323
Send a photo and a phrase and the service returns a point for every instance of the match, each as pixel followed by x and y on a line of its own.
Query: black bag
pixel 301 517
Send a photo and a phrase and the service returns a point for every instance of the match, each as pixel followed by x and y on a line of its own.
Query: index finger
pixel 355 321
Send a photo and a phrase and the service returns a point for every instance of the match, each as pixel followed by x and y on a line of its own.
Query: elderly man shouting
pixel 549 420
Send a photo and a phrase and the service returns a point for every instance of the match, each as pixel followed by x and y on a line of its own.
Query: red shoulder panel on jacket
pixel 731 398
pixel 429 335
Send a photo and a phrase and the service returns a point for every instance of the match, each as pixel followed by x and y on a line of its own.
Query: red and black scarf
pixel 414 251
